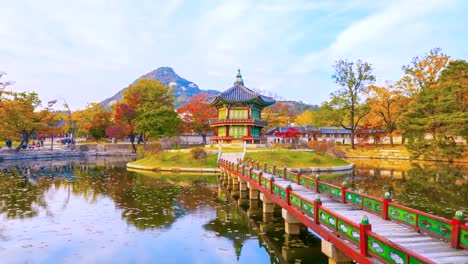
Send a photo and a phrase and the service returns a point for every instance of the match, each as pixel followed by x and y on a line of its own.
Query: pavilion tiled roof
pixel 240 93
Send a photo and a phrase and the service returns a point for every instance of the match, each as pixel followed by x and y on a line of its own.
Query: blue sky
pixel 87 50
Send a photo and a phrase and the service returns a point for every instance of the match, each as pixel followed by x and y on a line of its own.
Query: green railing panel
pixel 276 189
pixel 308 208
pixel 303 181
pixel 373 205
pixel 280 172
pixel 354 198
pixel 254 176
pixel 291 176
pixel 323 188
pixel 327 218
pixel 263 181
pixel 412 260
pixel 348 230
pixel 269 169
pixel 335 191
pixel 295 200
pixel 402 215
pixel 311 183
pixel 386 252
pixel 464 237
pixel 435 226
pixel 283 193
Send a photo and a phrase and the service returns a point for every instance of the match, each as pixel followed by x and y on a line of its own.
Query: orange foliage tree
pixel 196 114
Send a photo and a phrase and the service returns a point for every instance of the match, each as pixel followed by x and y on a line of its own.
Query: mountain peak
pixel 183 89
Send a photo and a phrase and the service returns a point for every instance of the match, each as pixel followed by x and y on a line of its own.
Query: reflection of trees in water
pixel 21 198
pixel 196 195
pixel 442 189
pixel 439 188
pixel 145 202
pixel 231 224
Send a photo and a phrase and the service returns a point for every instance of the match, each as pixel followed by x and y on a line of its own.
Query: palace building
pixel 239 114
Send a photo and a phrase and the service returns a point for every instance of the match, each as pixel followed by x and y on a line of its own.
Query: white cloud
pixel 98 47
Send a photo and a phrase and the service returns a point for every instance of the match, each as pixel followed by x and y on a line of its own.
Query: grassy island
pixel 176 160
pixel 296 159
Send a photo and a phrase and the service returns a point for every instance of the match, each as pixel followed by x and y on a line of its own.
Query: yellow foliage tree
pixel 385 103
pixel 304 119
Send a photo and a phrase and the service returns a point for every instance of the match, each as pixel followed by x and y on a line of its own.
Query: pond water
pixel 83 211
pixel 95 211
pixel 438 188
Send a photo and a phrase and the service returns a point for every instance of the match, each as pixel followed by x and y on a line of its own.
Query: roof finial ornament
pixel 239 78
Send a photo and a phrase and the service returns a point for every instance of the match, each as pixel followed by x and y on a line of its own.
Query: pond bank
pixel 34 154
pixel 171 169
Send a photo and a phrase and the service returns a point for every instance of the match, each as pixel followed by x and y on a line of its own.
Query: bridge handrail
pixel 320 216
pixel 453 231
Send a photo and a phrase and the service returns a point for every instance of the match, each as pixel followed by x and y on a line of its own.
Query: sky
pixel 87 50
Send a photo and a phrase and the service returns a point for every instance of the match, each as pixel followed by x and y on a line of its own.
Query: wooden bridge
pixel 353 226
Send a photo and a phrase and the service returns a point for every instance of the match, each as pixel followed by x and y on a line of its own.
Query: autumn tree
pixel 304 119
pixel 354 78
pixel 154 105
pixel 124 123
pixel 91 121
pixel 22 115
pixel 196 114
pixel 423 72
pixel 439 111
pixel 54 125
pixel 385 103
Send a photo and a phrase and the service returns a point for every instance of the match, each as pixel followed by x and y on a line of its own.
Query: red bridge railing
pixel 359 234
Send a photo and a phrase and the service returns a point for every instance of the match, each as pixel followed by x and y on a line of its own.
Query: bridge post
pixel 272 181
pixel 229 182
pixel 457 222
pixel 288 192
pixel 243 189
pixel 335 256
pixel 364 227
pixel 344 187
pixel 317 180
pixel 317 204
pixel 285 172
pixel 292 226
pixel 268 205
pixel 274 169
pixel 258 165
pixel 250 172
pixel 386 200
pixel 253 193
pixel 265 166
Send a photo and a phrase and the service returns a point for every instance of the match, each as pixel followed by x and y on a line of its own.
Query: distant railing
pixel 216 121
pixel 455 231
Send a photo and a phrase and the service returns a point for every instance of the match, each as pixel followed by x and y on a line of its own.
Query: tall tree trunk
pixel 132 140
pixel 24 139
pixel 352 138
pixel 204 138
pixel 391 141
pixel 52 142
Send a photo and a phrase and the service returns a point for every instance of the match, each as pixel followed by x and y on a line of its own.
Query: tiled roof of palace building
pixel 240 93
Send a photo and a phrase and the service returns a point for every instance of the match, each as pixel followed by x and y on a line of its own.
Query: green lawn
pixel 176 160
pixel 295 159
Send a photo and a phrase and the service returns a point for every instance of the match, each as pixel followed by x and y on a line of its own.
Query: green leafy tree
pixel 354 78
pixel 154 105
pixel 438 115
